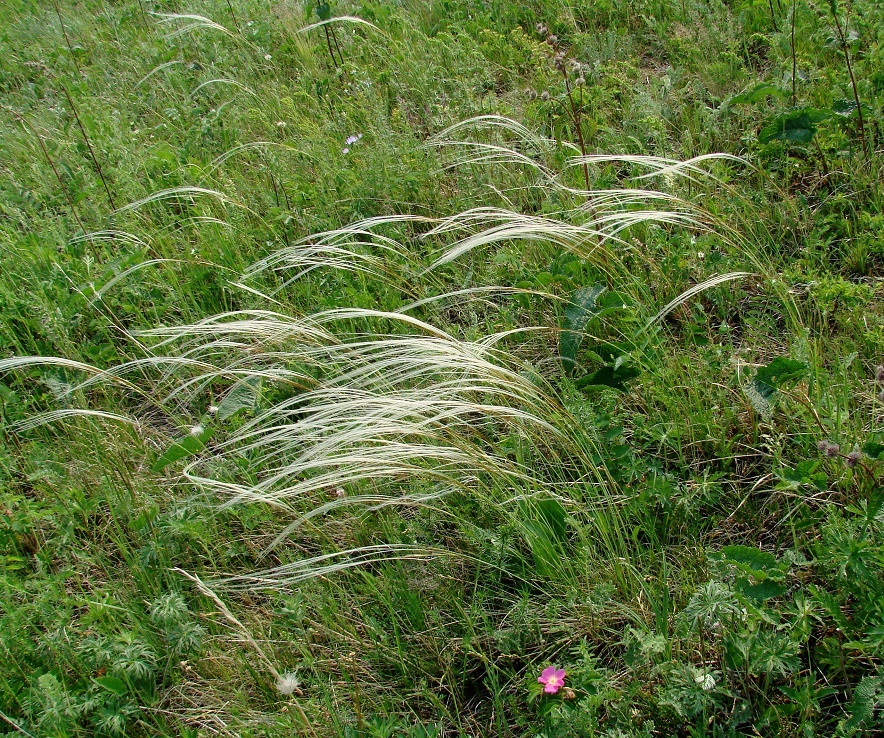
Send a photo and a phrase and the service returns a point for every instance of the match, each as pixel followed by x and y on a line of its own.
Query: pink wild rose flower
pixel 553 679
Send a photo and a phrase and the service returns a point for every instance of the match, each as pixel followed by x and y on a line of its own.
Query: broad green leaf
pixel 845 108
pixel 323 10
pixel 874 450
pixel 614 377
pixel 777 374
pixel 185 446
pixel 112 684
pixel 803 473
pixel 759 92
pixel 582 308
pixel 760 564
pixel 554 515
pixel 242 396
pixel 796 125
pixel 759 592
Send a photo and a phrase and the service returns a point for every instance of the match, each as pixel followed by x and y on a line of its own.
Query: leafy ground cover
pixel 364 367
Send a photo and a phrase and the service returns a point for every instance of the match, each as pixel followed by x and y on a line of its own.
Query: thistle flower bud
pixel 580 81
pixel 544 95
pixel 821 446
pixel 552 39
pixel 852 459
pixel 879 373
pixel 832 450
pixel 881 395
pixel 530 93
pixel 541 29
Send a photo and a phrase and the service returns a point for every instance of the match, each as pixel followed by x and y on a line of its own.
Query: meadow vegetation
pixel 365 365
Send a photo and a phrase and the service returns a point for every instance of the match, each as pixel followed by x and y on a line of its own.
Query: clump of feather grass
pixel 383 406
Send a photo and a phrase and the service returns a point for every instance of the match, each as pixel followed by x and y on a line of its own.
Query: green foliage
pixel 679 545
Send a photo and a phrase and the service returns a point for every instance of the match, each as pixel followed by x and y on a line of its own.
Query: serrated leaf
pixel 874 450
pixel 112 684
pixel 760 564
pixel 798 126
pixel 183 447
pixel 776 375
pixel 582 308
pixel 749 555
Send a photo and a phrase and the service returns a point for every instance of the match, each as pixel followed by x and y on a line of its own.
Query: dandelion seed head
pixel 288 684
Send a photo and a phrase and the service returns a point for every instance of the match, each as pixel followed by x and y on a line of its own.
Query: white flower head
pixel 288 684
pixel 267 57
pixel 706 681
pixel 280 124
pixel 213 409
pixel 197 430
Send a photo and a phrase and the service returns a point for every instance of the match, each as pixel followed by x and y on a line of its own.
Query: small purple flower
pixel 552 678
pixel 352 139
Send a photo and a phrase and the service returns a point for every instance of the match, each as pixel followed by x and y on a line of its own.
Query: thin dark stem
pixel 232 15
pixel 285 234
pixel 575 113
pixel 143 12
pixel 328 43
pixel 859 110
pixel 794 60
pixel 335 39
pixel 65 33
pixel 773 16
pixel 89 146
pixel 61 183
